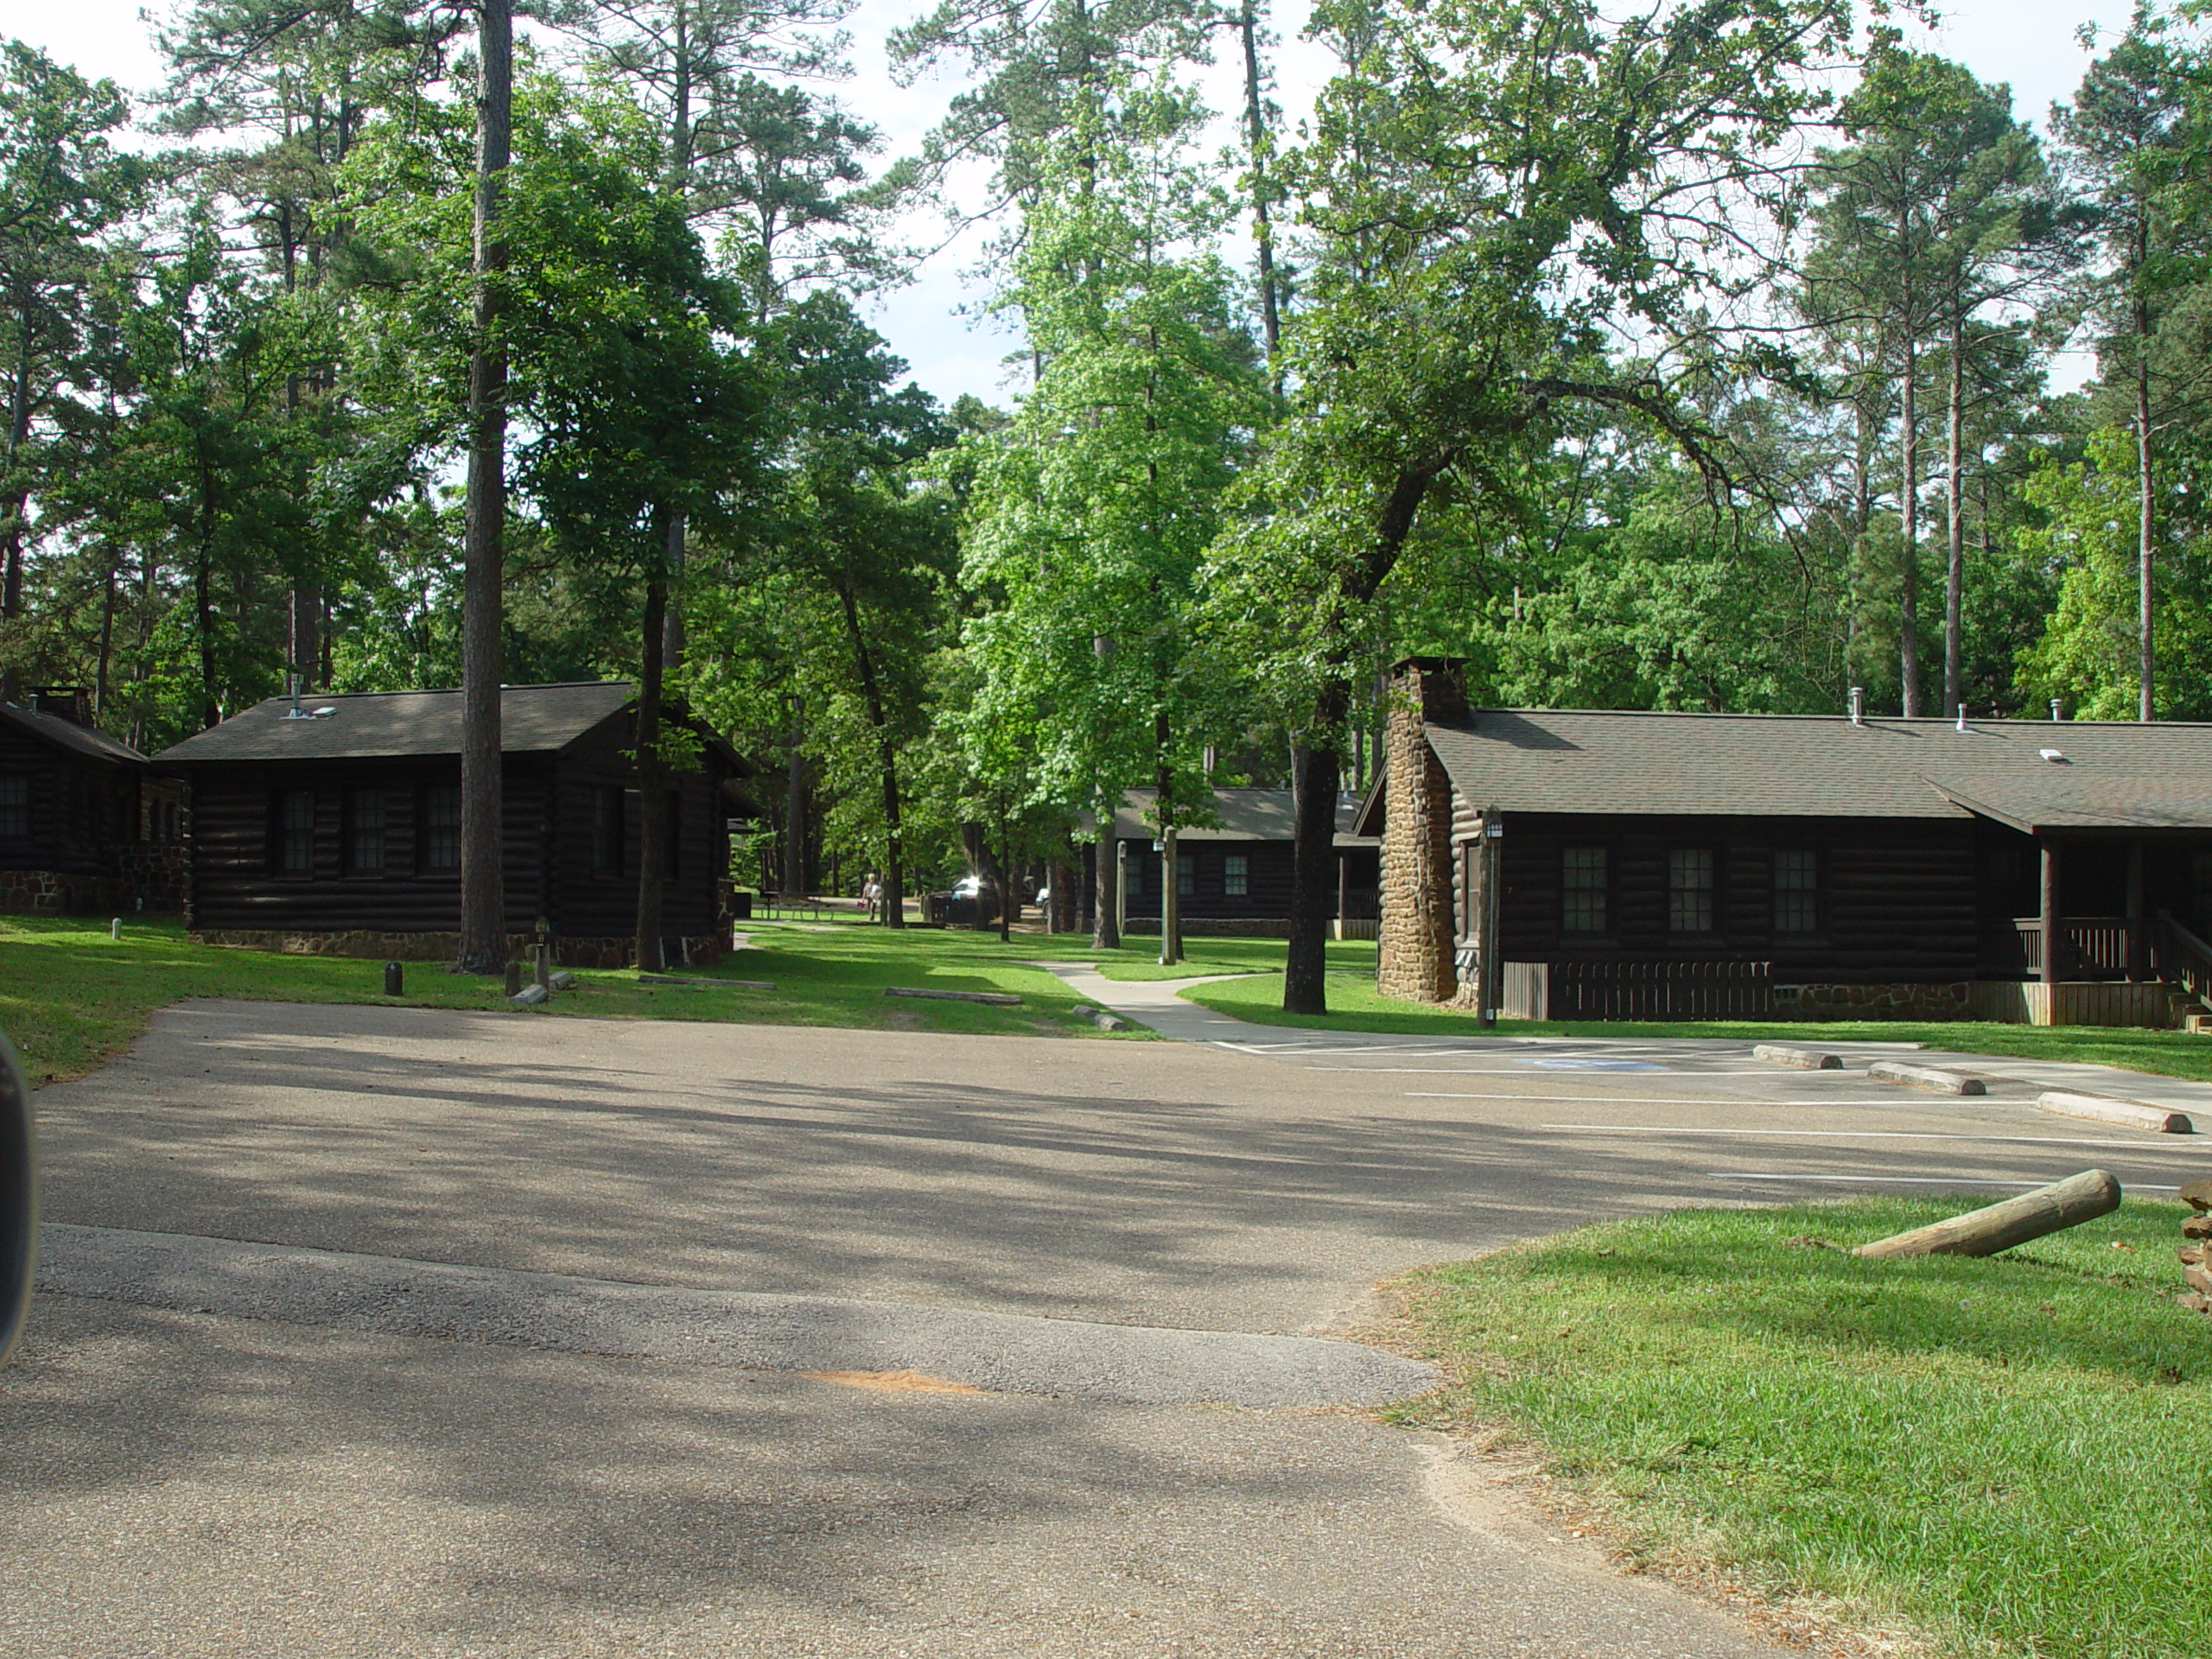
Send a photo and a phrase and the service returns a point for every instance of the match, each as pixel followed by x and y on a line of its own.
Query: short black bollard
pixel 394 980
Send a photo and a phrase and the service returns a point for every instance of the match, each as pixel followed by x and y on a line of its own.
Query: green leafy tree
pixel 1491 186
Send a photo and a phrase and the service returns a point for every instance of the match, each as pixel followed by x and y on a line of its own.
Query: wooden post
pixel 1489 858
pixel 2052 944
pixel 2138 935
pixel 1985 1232
pixel 1343 891
pixel 1171 899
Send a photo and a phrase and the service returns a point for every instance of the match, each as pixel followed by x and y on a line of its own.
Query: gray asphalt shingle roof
pixel 1244 814
pixel 379 725
pixel 69 735
pixel 2112 774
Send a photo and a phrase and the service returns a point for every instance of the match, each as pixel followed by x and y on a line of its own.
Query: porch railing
pixel 1659 990
pixel 2090 947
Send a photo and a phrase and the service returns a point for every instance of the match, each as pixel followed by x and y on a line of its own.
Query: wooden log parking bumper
pixel 1805 1059
pixel 2099 1109
pixel 1932 1077
pixel 999 999
pixel 704 983
pixel 2033 1215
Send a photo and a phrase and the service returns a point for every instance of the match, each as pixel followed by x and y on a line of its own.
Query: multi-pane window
pixel 442 829
pixel 674 832
pixel 1796 890
pixel 1133 863
pixel 14 806
pixel 364 832
pixel 1689 890
pixel 1186 875
pixel 1237 874
pixel 296 832
pixel 1583 888
pixel 606 831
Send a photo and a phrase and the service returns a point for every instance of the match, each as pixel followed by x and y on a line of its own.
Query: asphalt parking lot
pixel 408 1332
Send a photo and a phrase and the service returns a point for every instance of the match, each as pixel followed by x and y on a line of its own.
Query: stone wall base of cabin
pixel 1941 1000
pixel 152 880
pixel 1216 927
pixel 576 952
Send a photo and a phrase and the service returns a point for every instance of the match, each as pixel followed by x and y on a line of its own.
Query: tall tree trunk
pixel 1006 901
pixel 1955 523
pixel 1105 925
pixel 17 488
pixel 1909 506
pixel 795 808
pixel 483 875
pixel 894 852
pixel 302 645
pixel 1316 771
pixel 652 777
pixel 673 640
pixel 107 639
pixel 1258 141
pixel 2146 661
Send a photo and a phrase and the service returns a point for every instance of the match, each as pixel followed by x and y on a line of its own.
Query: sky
pixel 934 322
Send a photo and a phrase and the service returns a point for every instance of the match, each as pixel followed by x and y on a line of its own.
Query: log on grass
pixel 1985 1232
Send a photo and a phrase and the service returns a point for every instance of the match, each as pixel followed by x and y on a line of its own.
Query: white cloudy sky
pixel 2030 44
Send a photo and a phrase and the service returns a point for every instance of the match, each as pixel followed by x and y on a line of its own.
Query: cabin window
pixel 1689 890
pixel 606 831
pixel 674 829
pixel 1186 875
pixel 442 829
pixel 1796 890
pixel 15 807
pixel 1582 890
pixel 364 832
pixel 1237 874
pixel 1133 862
pixel 296 832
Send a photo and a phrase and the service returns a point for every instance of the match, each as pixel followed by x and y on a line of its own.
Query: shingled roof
pixel 66 733
pixel 2106 775
pixel 381 725
pixel 1244 815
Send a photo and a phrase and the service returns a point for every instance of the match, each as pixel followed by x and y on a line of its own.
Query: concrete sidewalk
pixel 1159 1005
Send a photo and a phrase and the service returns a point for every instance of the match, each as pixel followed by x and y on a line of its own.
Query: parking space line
pixel 1856 1135
pixel 1902 1181
pixel 1899 1103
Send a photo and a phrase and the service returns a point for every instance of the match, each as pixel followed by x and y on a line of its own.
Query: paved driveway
pixel 401 1332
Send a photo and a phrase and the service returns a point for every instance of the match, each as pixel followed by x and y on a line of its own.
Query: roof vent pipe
pixel 2055 714
pixel 296 712
pixel 1859 705
pixel 1962 719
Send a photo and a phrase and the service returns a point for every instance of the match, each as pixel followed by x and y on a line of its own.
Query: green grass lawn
pixel 1355 1005
pixel 1138 957
pixel 2006 1455
pixel 70 997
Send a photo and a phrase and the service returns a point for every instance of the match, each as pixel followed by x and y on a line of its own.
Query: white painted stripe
pixel 1858 1135
pixel 1892 1104
pixel 1902 1181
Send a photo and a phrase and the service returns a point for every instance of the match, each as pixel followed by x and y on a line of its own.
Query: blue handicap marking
pixel 1587 1064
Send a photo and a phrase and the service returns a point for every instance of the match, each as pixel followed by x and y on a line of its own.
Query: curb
pixel 2133 1113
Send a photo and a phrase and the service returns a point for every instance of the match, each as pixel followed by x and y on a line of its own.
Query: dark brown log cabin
pixel 1235 874
pixel 81 829
pixel 1638 865
pixel 333 826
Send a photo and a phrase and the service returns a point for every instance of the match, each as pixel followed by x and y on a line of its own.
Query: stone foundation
pixel 579 952
pixel 1951 1000
pixel 152 879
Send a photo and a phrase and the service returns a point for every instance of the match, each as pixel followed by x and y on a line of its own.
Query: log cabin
pixel 1233 875
pixel 332 825
pixel 1577 864
pixel 83 829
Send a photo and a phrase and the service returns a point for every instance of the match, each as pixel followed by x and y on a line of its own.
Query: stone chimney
pixel 1418 928
pixel 70 702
